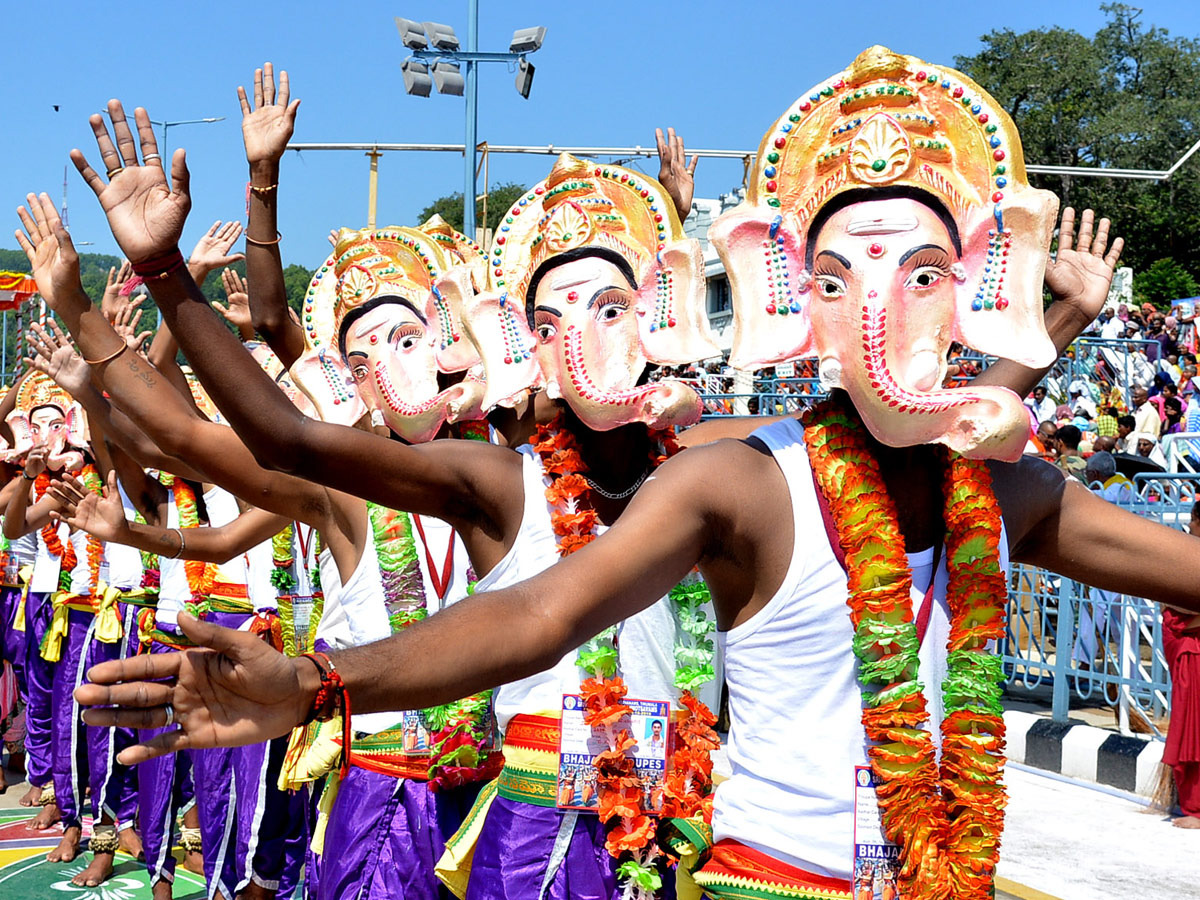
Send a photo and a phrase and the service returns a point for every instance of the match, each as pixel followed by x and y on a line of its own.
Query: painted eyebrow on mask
pixel 909 254
pixel 604 290
pixel 845 262
pixel 549 309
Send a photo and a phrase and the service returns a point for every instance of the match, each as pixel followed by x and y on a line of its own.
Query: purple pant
pixel 385 835
pixel 514 853
pixel 252 831
pixel 164 791
pixel 39 684
pixel 12 647
pixel 85 755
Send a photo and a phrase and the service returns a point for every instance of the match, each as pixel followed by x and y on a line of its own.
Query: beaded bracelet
pixel 331 695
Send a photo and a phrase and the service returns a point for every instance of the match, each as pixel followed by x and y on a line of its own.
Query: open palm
pixel 56 357
pixel 145 214
pixel 1082 269
pixel 267 126
pixel 52 255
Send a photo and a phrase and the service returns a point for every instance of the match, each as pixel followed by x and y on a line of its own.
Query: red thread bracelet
pixel 330 695
pixel 160 266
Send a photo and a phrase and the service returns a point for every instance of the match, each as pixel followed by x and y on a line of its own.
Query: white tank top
pixel 173 588
pixel 646 640
pixel 47 566
pixel 81 575
pixel 223 509
pixel 794 697
pixel 24 549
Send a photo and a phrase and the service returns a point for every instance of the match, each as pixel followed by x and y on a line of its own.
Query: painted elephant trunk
pixel 903 409
pixel 420 421
pixel 663 404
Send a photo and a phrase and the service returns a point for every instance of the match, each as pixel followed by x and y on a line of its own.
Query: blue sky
pixel 607 74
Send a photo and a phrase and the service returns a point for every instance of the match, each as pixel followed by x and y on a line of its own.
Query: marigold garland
pixel 200 575
pixel 688 782
pixel 948 820
pixel 66 551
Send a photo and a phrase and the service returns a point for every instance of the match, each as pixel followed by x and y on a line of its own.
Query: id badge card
pixel 876 864
pixel 416 733
pixel 649 724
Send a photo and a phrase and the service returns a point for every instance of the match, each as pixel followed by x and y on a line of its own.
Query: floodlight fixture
pixel 412 35
pixel 524 77
pixel 526 40
pixel 416 77
pixel 448 78
pixel 441 36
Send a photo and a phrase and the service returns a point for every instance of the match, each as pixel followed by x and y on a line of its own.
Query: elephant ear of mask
pixel 60 458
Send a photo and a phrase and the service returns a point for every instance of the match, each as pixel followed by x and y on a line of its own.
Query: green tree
pixel 1123 98
pixel 1162 281
pixel 500 198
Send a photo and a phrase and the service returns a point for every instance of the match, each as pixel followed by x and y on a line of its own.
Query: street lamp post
pixel 442 66
pixel 166 125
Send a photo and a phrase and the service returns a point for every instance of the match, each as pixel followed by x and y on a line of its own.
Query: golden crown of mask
pixel 887 120
pixel 583 204
pixel 40 390
pixel 458 248
pixel 365 264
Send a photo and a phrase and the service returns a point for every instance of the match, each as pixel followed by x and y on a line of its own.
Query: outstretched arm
pixel 466 483
pixel 235 693
pixel 266 129
pixel 1062 526
pixel 1078 279
pixel 104 518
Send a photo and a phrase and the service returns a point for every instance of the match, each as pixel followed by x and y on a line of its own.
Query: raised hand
pixel 676 175
pixel 212 250
pixel 101 516
pixel 125 323
pixel 51 253
pixel 114 286
pixel 233 690
pixel 1082 270
pixel 267 125
pixel 35 460
pixel 55 356
pixel 145 213
pixel 237 313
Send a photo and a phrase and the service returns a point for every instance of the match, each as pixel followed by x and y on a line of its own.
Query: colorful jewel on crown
pixel 40 390
pixel 458 248
pixel 369 263
pixel 587 204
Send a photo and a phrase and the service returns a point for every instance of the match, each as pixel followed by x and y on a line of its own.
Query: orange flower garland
pixel 200 575
pixel 688 782
pixel 66 551
pixel 947 820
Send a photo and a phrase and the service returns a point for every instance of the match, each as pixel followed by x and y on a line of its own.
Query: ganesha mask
pixel 381 306
pixel 591 282
pixel 46 415
pixel 888 216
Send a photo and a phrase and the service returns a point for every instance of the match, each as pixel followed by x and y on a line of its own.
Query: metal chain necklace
pixel 621 496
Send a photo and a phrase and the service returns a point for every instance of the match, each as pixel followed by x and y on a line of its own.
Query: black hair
pixel 1128 421
pixel 1070 436
pixel 359 311
pixel 862 195
pixel 562 259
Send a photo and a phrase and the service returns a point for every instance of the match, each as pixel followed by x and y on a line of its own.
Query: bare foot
pixel 32 796
pixel 162 890
pixel 1186 822
pixel 47 818
pixel 254 891
pixel 98 871
pixel 68 847
pixel 193 861
pixel 129 842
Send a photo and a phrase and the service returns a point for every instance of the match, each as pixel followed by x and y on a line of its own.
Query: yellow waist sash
pixel 103 605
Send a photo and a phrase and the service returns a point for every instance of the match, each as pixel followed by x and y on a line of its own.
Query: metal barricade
pixel 1095 645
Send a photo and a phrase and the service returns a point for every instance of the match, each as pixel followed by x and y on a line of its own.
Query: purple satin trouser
pixel 386 834
pixel 83 754
pixel 514 853
pixel 164 791
pixel 252 831
pixel 12 647
pixel 39 684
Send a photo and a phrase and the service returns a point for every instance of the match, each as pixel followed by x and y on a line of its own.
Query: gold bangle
pixel 110 357
pixel 278 238
pixel 263 190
